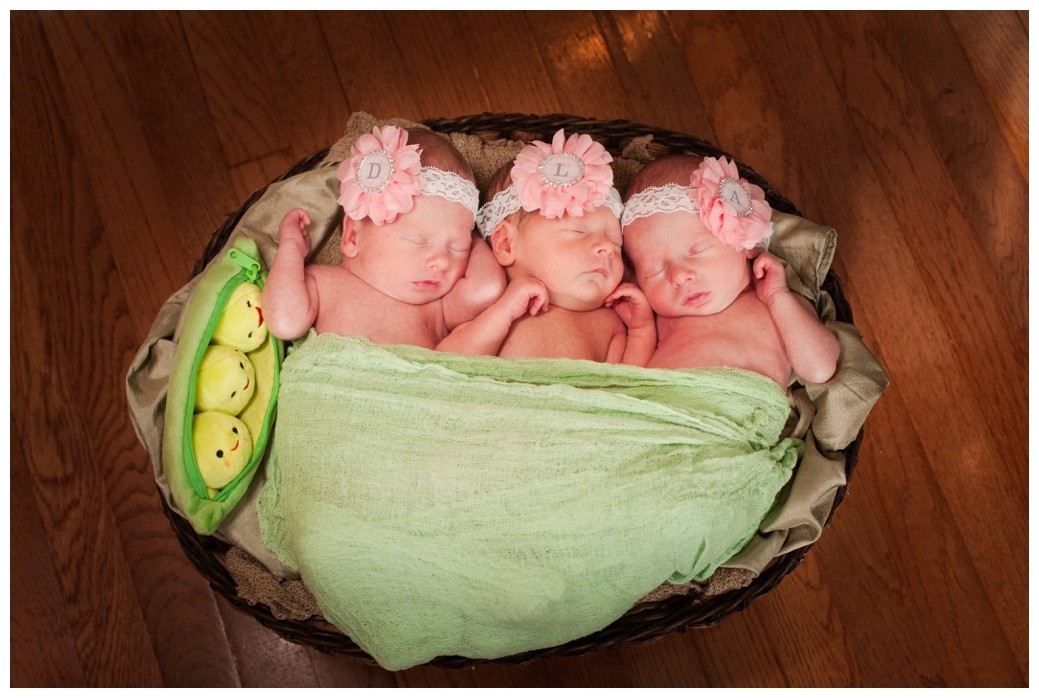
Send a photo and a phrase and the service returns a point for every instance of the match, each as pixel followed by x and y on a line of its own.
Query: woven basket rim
pixel 646 622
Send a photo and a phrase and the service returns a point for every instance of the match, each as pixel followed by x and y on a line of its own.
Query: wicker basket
pixel 647 621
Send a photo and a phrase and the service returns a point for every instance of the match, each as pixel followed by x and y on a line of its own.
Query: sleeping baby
pixel 552 218
pixel 692 227
pixel 412 269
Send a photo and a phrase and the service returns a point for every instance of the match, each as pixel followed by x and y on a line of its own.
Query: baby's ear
pixel 501 243
pixel 348 244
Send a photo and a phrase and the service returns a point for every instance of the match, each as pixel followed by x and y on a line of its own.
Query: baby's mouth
pixel 696 299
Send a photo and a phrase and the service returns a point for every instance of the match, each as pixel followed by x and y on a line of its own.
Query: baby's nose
pixel 604 245
pixel 437 260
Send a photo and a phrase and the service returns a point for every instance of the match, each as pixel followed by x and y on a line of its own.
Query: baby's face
pixel 420 256
pixel 682 268
pixel 577 258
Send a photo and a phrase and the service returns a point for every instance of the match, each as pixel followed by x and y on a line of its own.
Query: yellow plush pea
pixel 226 380
pixel 223 447
pixel 241 324
pixel 264 361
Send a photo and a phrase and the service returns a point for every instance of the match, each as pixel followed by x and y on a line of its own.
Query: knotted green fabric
pixel 437 504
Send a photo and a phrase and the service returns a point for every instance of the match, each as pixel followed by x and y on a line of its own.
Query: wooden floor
pixel 133 135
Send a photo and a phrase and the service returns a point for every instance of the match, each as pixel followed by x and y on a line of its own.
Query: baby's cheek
pixel 659 300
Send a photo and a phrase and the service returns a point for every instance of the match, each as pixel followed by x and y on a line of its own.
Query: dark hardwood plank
pixel 994 347
pixel 997 45
pixel 508 70
pixel 967 135
pixel 173 112
pixel 109 133
pixel 52 423
pixel 43 652
pixel 574 51
pixel 920 586
pixel 414 65
pixel 736 91
pixel 809 636
pixel 373 87
pixel 155 586
pixel 651 66
pixel 445 83
pixel 653 71
pixel 267 81
pixel 75 510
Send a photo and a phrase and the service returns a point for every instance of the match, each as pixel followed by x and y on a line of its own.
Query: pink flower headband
pixel 731 207
pixel 568 177
pixel 383 176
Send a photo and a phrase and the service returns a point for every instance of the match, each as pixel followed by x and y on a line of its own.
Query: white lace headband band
pixel 450 186
pixel 507 201
pixel 668 198
pixel 671 198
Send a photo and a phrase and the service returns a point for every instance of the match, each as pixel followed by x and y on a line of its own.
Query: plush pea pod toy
pixel 205 438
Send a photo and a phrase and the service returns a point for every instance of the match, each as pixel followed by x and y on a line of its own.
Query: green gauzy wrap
pixel 437 504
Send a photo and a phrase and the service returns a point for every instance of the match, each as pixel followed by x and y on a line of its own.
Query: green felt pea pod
pixel 218 378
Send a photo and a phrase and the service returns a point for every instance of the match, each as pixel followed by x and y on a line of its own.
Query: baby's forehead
pixel 432 214
pixel 665 229
pixel 602 216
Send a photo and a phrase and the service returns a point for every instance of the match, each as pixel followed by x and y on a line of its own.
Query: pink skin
pixel 525 295
pixel 631 305
pixel 769 277
pixel 577 258
pixel 683 268
pixel 686 272
pixel 416 259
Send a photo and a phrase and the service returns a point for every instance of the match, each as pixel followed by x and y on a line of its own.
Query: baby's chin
pixel 579 304
pixel 679 313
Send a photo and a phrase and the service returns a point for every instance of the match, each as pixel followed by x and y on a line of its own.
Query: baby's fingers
pixel 624 291
pixel 538 301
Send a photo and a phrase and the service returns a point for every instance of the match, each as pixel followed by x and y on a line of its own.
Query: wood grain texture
pixel 134 134
pixel 967 136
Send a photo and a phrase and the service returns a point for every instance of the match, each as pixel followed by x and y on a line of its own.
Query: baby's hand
pixel 524 295
pixel 631 305
pixel 769 277
pixel 292 231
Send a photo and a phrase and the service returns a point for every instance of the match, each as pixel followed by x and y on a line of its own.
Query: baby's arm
pixel 483 283
pixel 290 298
pixel 810 346
pixel 485 333
pixel 632 306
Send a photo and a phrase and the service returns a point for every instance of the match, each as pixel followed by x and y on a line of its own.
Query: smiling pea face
pixel 241 325
pixel 226 380
pixel 223 447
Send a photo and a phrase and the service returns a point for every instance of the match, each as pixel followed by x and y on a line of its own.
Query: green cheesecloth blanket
pixel 437 504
